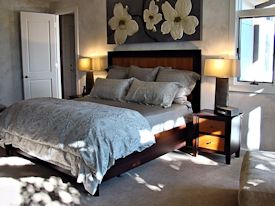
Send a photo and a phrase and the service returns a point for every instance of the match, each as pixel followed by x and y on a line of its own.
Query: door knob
pixel 26 77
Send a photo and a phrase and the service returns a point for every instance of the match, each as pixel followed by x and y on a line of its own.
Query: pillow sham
pixel 113 89
pixel 152 93
pixel 186 78
pixel 117 72
pixel 143 74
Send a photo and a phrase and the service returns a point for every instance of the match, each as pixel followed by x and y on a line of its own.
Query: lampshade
pixel 222 68
pixel 98 63
pixel 84 64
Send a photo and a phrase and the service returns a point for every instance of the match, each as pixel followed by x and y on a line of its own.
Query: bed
pixel 166 140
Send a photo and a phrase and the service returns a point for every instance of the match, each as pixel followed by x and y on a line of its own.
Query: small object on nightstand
pixel 217 133
pixel 227 111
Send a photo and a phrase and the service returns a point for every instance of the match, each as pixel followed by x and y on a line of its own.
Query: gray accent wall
pixel 11 84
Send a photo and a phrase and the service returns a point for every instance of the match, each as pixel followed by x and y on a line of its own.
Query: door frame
pixel 74 11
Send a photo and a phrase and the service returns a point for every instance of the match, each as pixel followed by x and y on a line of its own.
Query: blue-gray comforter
pixel 83 137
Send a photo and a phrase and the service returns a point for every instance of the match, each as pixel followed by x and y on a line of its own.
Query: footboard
pixel 165 142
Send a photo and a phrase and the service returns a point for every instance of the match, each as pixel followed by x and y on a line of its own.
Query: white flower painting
pixel 122 23
pixel 177 20
pixel 136 21
pixel 152 16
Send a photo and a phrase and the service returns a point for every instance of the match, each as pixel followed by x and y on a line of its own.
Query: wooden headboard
pixel 177 59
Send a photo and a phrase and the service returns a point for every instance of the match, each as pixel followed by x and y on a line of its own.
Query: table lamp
pixel 222 69
pixel 85 65
pixel 99 66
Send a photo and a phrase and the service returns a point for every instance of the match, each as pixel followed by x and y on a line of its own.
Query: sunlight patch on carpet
pixel 255 182
pixel 262 167
pixel 175 159
pixel 10 191
pixel 156 188
pixel 14 161
pixel 201 160
pixel 37 191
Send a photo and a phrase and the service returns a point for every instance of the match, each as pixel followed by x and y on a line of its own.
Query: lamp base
pixel 221 99
pixel 221 95
pixel 89 82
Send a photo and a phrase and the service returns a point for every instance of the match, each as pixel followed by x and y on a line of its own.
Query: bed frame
pixel 169 140
pixel 165 141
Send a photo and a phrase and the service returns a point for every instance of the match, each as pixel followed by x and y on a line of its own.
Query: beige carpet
pixel 174 179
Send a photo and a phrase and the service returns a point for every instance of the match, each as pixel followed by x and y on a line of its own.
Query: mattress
pixel 160 119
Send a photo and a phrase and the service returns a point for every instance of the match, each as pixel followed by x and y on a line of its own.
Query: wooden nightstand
pixel 217 133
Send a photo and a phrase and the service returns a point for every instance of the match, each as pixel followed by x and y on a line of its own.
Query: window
pixel 256 49
pixel 255 42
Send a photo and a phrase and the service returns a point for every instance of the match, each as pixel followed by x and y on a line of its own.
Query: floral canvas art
pixel 137 21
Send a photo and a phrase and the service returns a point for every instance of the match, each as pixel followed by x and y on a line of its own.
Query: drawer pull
pixel 208 142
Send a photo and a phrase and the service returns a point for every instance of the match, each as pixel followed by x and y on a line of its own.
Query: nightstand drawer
pixel 211 142
pixel 212 126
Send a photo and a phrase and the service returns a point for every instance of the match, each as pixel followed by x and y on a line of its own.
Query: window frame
pixel 242 86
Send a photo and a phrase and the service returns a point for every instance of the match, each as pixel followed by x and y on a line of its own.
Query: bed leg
pixel 97 192
pixel 9 150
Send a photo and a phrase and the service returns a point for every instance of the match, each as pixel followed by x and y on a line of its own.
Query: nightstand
pixel 217 133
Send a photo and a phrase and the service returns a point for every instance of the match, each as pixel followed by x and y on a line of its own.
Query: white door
pixel 40 55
